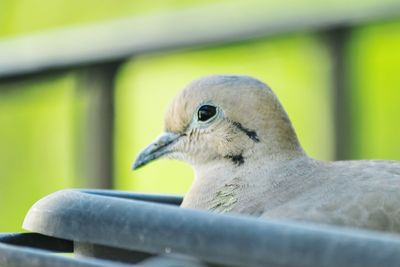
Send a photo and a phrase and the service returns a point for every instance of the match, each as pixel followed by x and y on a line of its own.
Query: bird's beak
pixel 160 147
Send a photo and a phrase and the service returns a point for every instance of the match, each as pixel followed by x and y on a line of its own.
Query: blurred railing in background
pixel 77 103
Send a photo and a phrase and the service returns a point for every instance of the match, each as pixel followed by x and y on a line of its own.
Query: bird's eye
pixel 206 112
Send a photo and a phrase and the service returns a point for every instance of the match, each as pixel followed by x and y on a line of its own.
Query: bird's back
pixel 362 194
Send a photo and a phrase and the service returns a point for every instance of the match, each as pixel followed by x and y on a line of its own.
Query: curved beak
pixel 160 147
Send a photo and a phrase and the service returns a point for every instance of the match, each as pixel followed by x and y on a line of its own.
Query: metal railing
pixel 112 228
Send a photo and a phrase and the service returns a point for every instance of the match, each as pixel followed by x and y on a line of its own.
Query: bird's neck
pixel 220 186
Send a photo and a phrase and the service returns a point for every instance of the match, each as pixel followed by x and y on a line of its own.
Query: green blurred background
pixel 51 124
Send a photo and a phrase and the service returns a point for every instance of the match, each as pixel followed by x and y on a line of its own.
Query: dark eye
pixel 206 112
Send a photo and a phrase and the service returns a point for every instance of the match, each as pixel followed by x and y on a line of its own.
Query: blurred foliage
pixel 19 17
pixel 25 16
pixel 374 64
pixel 296 67
pixel 49 139
pixel 36 143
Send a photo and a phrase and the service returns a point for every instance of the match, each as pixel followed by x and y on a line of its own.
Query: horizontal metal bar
pixel 15 256
pixel 164 199
pixel 32 249
pixel 210 237
pixel 172 260
pixel 208 24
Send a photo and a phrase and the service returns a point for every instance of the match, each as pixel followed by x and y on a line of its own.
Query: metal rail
pixel 200 25
pixel 227 240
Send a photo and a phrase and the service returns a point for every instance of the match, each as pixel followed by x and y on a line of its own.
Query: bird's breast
pixel 226 197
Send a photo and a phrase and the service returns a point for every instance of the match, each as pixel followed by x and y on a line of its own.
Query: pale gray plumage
pixel 247 160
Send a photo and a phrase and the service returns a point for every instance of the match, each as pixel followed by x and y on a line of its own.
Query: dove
pixel 248 160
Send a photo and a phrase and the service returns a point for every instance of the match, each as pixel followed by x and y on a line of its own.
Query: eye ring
pixel 206 113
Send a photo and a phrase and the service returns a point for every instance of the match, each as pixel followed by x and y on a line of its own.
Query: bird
pixel 248 160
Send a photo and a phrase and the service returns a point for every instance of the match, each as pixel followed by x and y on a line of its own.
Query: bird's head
pixel 223 118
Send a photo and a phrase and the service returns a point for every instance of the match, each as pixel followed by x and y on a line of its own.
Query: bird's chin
pixel 174 155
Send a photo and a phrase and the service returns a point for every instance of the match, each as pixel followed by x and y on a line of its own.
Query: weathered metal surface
pixel 214 238
pixel 15 256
